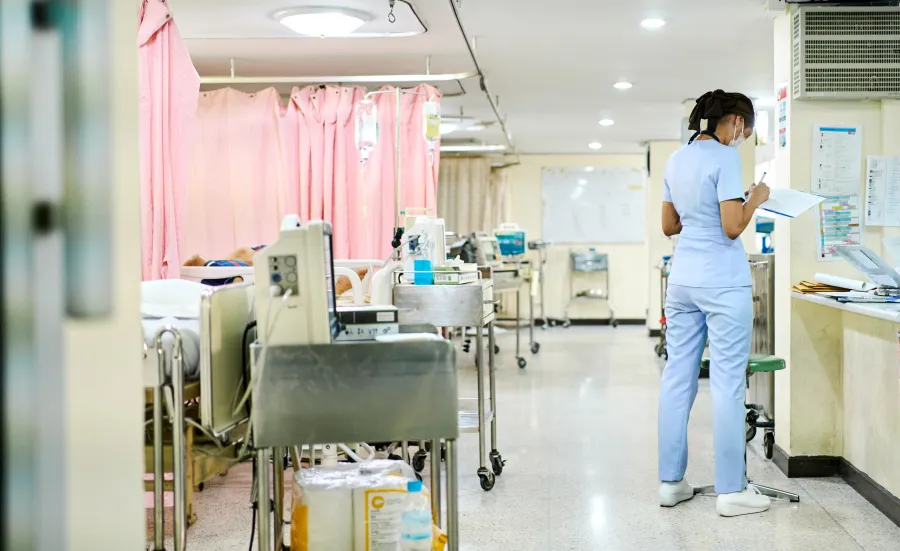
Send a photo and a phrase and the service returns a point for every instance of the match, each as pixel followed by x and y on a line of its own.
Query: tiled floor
pixel 578 431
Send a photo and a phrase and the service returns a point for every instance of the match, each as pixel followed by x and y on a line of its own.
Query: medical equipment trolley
pixel 589 262
pixel 664 268
pixel 461 306
pixel 354 392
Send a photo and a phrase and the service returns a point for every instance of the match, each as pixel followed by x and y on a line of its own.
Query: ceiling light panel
pixel 622 85
pixel 341 19
pixel 653 24
pixel 607 122
pixel 595 145
pixel 324 23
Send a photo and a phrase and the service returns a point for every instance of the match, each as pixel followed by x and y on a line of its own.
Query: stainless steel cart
pixel 353 392
pixel 589 262
pixel 510 278
pixel 461 306
pixel 541 248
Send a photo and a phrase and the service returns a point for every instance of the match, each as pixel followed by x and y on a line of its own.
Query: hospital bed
pixel 194 364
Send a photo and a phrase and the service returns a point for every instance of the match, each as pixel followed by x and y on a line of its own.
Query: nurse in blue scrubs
pixel 709 296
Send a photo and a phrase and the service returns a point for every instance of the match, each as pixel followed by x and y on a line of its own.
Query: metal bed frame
pixel 224 315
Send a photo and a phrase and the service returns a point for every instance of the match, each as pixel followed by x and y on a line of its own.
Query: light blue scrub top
pixel 698 177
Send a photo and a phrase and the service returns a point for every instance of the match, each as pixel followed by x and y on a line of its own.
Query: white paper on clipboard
pixel 790 202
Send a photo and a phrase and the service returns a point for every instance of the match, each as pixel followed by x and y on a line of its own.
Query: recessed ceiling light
pixel 607 122
pixel 653 23
pixel 595 145
pixel 588 169
pixel 322 22
pixel 622 85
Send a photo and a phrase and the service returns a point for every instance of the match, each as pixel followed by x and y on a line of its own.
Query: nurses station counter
pixel 843 397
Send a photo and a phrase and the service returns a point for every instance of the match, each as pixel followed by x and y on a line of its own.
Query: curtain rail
pixel 338 79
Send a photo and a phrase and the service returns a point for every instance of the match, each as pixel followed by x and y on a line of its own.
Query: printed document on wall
pixel 836 160
pixel 839 224
pixel 883 191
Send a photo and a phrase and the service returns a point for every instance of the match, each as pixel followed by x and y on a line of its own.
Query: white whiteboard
pixel 594 205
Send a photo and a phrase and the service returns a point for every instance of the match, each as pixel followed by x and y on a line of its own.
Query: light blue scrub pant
pixel 727 315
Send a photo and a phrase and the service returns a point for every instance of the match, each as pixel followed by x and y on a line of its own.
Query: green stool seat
pixel 759 363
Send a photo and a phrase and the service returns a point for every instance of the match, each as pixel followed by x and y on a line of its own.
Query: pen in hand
pixel 749 191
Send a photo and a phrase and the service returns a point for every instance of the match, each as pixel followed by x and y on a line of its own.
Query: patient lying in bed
pixel 244 257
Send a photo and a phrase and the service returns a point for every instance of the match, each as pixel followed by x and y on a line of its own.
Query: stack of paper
pixel 811 287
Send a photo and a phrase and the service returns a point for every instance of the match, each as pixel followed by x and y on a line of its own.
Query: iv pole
pixel 398 228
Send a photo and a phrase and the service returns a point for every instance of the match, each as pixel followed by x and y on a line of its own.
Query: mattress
pixel 190 335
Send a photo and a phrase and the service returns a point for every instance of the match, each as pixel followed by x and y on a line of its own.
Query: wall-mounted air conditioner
pixel 846 53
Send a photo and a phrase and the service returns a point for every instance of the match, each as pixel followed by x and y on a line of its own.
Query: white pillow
pixel 176 298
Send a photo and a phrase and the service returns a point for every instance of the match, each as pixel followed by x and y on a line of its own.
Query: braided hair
pixel 714 106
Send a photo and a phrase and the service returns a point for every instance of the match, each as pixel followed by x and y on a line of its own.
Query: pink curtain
pixel 169 89
pixel 243 171
pixel 256 160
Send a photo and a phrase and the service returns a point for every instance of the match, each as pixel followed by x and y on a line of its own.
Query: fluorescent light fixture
pixel 582 182
pixel 322 22
pixel 471 148
pixel 595 145
pixel 653 23
pixel 607 122
pixel 588 169
pixel 454 124
pixel 622 85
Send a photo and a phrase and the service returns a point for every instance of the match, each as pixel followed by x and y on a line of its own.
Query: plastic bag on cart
pixel 322 510
pixel 349 506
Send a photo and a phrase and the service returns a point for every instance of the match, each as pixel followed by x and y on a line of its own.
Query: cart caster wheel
pixel 666 355
pixel 769 444
pixel 487 479
pixel 496 349
pixel 497 463
pixel 535 347
pixel 418 461
pixel 751 433
pixel 419 477
pixel 522 363
pixel 201 487
pixel 615 324
pixel 566 324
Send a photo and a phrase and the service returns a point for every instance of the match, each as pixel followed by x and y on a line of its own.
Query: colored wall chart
pixel 839 224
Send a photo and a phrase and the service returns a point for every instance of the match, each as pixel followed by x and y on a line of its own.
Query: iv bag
pixel 366 128
pixel 432 130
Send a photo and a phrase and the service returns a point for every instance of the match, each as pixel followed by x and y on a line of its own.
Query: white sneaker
pixel 673 493
pixel 748 502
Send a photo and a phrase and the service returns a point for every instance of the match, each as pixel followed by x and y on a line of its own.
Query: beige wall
pixel 840 395
pixel 104 394
pixel 629 270
pixel 871 420
pixel 657 243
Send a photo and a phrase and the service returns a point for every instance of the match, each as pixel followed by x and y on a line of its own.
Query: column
pixel 657 243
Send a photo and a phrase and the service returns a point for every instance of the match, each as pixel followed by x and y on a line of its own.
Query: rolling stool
pixel 759 363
